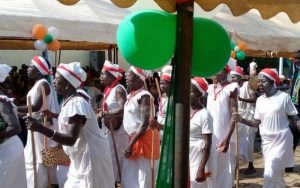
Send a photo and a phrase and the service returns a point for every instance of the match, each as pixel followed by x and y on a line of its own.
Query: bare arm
pixel 75 122
pixel 37 105
pixel 224 145
pixel 145 114
pixel 8 115
pixel 206 151
pixel 250 123
pixel 295 122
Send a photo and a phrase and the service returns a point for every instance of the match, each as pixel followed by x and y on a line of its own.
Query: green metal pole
pixel 183 62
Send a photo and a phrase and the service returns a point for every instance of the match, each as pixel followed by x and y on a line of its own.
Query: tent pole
pixel 183 62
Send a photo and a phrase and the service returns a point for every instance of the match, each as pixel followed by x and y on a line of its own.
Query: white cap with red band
pixel 166 73
pixel 142 74
pixel 200 84
pixel 238 71
pixel 42 65
pixel 113 69
pixel 73 73
pixel 271 74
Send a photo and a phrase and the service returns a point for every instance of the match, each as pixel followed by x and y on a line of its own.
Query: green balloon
pixel 240 55
pixel 48 39
pixel 146 39
pixel 211 47
pixel 232 45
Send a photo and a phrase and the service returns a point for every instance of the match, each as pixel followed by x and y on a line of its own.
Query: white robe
pixel 12 164
pixel 120 135
pixel 136 173
pixel 246 133
pixel 201 123
pixel 91 165
pixel 52 105
pixel 218 104
pixel 277 139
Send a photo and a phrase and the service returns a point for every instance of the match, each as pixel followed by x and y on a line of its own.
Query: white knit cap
pixel 231 65
pixel 166 73
pixel 200 84
pixel 73 73
pixel 238 71
pixel 142 74
pixel 271 74
pixel 42 65
pixel 4 72
pixel 113 69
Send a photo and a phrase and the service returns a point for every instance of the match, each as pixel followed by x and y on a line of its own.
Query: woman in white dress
pixel 201 128
pixel 12 162
pixel 39 71
pixel 111 113
pixel 272 113
pixel 82 140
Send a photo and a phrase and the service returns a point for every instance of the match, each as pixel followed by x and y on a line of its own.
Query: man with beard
pixel 138 152
pixel 272 113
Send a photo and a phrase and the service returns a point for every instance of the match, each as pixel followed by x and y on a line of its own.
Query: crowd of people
pixel 117 141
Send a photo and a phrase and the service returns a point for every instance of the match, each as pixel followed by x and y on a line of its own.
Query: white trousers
pixel 137 173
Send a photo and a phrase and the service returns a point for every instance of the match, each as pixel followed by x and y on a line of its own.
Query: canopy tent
pixel 178 171
pixel 92 24
pixel 267 8
pixel 87 25
pixel 278 34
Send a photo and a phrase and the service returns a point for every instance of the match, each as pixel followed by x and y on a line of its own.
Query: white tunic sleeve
pixel 76 105
pixel 206 122
pixel 230 88
pixel 289 106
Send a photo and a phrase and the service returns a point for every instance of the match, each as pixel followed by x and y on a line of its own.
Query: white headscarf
pixel 113 69
pixel 73 73
pixel 142 74
pixel 4 72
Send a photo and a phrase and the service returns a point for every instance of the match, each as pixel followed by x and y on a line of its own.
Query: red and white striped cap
pixel 166 73
pixel 142 74
pixel 73 73
pixel 238 71
pixel 271 74
pixel 200 84
pixel 113 69
pixel 42 65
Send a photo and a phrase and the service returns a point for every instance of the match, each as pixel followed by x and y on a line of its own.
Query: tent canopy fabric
pixel 92 24
pixel 267 8
pixel 89 21
pixel 278 34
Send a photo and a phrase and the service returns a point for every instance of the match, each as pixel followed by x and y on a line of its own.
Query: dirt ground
pixel 256 180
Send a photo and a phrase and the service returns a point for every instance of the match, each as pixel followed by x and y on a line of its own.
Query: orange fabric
pixel 142 147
